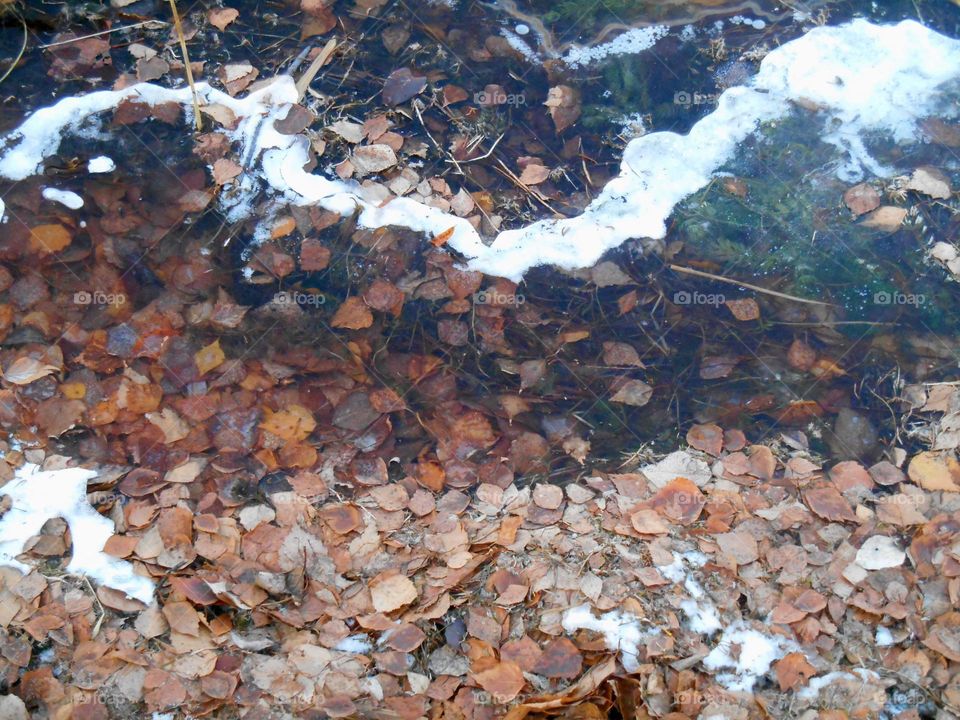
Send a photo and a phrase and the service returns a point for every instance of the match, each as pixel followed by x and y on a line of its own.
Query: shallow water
pixel 789 233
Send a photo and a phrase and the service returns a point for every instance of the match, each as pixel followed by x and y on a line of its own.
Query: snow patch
pixel 884 637
pixel 357 644
pixel 101 164
pixel 38 496
pixel 631 42
pixel 746 654
pixel 621 631
pixel 64 197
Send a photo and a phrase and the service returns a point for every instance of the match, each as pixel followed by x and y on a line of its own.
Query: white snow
pixel 3 210
pixel 522 29
pixel 357 644
pixel 815 685
pixel 629 43
pixel 38 496
pixel 867 78
pixel 521 46
pixel 621 631
pixel 101 164
pixel 884 637
pixel 64 197
pixel 702 615
pixel 746 654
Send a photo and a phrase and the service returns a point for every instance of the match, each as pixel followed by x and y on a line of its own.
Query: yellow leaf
pixel 209 357
pixel 294 423
pixel 49 238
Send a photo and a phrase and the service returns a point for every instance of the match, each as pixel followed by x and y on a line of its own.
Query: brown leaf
pixel 560 659
pixel 740 546
pixel 503 680
pixel 633 392
pixel 221 17
pixel 534 174
pixel 793 670
pixel 621 354
pixel 563 103
pixel 401 85
pixel 679 500
pixel 353 314
pixel 391 592
pixel 801 356
pixel 861 199
pixel 708 438
pixel 746 309
pixel 182 618
pixel 829 504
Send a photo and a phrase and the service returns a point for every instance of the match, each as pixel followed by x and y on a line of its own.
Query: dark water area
pixel 787 235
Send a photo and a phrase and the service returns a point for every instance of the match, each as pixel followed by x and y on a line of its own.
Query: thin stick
pixel 757 288
pixel 186 65
pixel 102 32
pixel 23 47
pixel 318 62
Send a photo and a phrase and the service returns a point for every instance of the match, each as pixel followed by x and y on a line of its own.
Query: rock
pixel 12 708
pixel 854 436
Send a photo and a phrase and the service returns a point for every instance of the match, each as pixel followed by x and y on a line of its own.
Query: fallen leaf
pixel 744 310
pixel 220 18
pixel 503 680
pixel 353 314
pixel 391 592
pixel 49 238
pixel 25 370
pixel 633 392
pixel 209 357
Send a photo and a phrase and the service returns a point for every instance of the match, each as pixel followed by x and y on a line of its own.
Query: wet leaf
pixel 829 504
pixel 633 392
pixel 560 659
pixel 25 370
pixel 353 314
pixel 708 438
pixel 793 671
pixel 744 310
pixel 46 239
pixel 209 357
pixel 220 18
pixel 401 85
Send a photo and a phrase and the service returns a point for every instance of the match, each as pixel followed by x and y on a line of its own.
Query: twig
pixel 757 288
pixel 186 64
pixel 102 32
pixel 23 48
pixel 318 62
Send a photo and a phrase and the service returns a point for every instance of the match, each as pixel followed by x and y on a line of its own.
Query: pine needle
pixel 186 64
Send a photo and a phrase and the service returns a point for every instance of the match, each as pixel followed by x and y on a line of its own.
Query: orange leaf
pixel 441 239
pixel 294 423
pixel 352 315
pixel 49 238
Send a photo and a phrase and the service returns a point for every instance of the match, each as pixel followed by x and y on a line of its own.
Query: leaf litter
pixel 345 527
